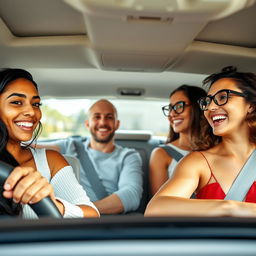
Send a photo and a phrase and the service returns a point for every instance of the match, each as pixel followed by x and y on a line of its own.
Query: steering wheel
pixel 44 208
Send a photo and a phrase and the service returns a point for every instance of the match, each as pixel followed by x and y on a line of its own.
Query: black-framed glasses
pixel 178 108
pixel 220 98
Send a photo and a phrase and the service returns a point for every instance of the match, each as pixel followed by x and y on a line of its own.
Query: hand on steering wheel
pixel 44 208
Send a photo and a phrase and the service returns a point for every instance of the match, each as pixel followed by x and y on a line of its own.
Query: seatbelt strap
pixel 244 180
pixel 88 167
pixel 172 152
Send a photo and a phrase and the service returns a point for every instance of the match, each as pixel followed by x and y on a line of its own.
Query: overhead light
pixel 130 91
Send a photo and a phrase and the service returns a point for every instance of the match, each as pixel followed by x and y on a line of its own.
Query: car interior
pixel 130 52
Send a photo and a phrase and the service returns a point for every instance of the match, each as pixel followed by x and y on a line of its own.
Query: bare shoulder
pixel 194 156
pixel 186 177
pixel 192 162
pixel 56 161
pixel 159 159
pixel 159 153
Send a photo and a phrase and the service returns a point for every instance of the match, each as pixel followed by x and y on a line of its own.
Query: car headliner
pixel 93 48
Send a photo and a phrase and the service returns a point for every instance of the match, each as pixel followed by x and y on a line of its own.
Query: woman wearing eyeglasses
pixel 214 170
pixel 186 121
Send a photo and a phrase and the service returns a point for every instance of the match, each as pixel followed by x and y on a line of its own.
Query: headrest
pixel 133 135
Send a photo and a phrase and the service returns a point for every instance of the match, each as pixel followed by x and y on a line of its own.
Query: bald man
pixel 119 169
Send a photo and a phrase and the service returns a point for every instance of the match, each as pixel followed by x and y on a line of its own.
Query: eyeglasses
pixel 178 108
pixel 220 98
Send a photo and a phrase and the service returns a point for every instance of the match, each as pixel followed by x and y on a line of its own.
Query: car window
pixel 65 117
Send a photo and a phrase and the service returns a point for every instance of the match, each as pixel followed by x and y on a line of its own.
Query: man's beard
pixel 104 141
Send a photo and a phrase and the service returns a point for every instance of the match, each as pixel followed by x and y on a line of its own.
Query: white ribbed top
pixel 65 186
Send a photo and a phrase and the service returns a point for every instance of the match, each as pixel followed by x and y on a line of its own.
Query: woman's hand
pixel 26 185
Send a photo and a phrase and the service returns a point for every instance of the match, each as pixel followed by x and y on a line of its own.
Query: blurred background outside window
pixel 65 117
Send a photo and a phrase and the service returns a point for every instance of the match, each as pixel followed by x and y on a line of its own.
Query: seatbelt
pixel 172 152
pixel 88 167
pixel 244 180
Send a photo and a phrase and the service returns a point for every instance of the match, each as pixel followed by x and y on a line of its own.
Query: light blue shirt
pixel 119 171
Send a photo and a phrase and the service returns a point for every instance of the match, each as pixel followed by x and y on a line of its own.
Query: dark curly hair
pixel 193 93
pixel 7 206
pixel 246 82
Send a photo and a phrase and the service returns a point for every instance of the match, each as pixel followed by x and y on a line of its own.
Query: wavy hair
pixel 193 93
pixel 8 75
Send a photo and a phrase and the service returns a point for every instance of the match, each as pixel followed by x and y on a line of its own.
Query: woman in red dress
pixel 229 108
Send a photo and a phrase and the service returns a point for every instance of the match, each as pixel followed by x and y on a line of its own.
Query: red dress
pixel 214 190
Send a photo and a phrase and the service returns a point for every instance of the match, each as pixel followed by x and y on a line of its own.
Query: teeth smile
pixel 25 124
pixel 102 130
pixel 177 121
pixel 214 118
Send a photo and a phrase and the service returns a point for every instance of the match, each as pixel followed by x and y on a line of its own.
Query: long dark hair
pixel 193 93
pixel 7 206
pixel 246 82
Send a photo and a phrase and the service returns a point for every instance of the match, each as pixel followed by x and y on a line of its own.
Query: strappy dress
pixel 214 190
